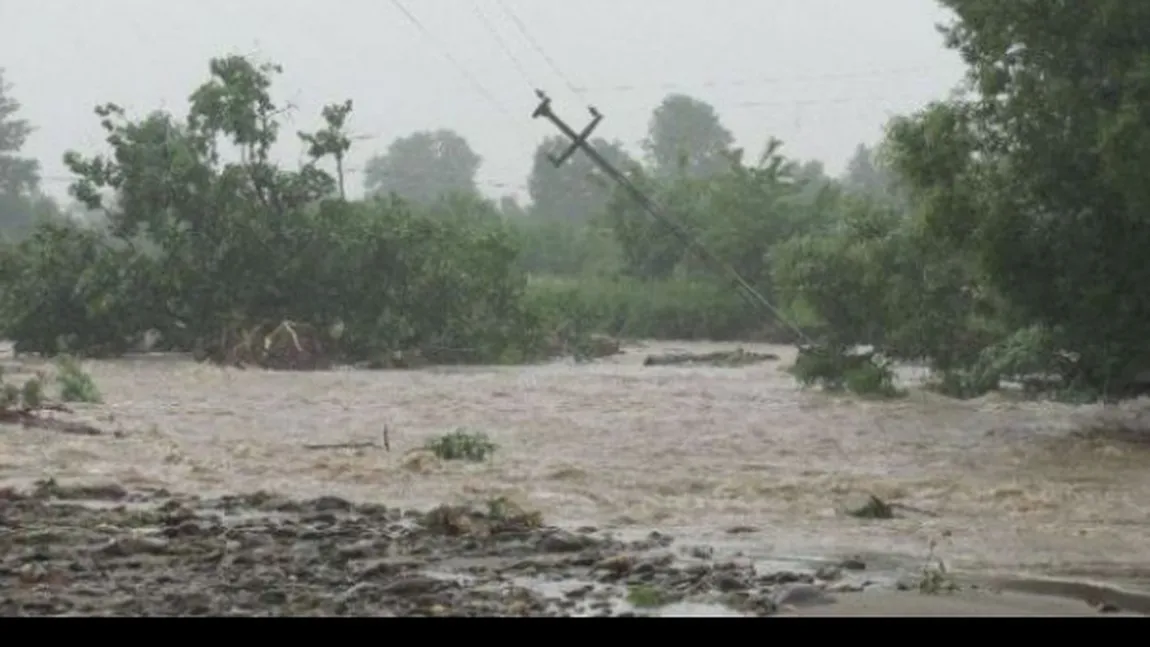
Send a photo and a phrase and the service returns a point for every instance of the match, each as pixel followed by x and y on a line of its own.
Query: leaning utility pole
pixel 579 142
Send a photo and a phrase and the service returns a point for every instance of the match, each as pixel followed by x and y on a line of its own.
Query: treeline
pixel 995 235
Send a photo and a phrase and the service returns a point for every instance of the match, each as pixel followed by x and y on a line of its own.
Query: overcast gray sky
pixel 822 75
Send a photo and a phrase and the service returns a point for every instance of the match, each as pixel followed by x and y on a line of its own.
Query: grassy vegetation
pixel 632 308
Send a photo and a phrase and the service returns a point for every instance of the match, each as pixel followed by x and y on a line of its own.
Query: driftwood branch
pixel 734 358
pixel 365 444
pixel 52 406
pixel 913 509
pixel 361 445
pixel 29 420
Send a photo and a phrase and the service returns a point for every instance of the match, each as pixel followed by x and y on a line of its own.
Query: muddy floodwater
pixel 740 459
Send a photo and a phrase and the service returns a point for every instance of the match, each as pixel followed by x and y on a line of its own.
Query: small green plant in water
pixel 32 394
pixel 645 597
pixel 460 445
pixel 30 397
pixel 75 384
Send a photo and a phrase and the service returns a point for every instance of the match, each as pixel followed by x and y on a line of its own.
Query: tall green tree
pixel 739 213
pixel 21 203
pixel 510 208
pixel 685 136
pixel 1039 172
pixel 17 175
pixel 165 184
pixel 864 173
pixel 577 191
pixel 424 167
pixel 207 248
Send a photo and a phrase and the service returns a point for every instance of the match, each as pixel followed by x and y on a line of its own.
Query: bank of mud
pixel 100 550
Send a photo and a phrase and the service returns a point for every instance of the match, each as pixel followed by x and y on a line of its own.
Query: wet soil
pixel 100 550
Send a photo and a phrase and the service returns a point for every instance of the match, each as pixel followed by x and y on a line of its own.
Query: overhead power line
pixel 924 71
pixel 475 84
pixel 523 31
pixel 503 45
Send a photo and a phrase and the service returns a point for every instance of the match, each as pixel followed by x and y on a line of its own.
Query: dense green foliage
pixel 1022 219
pixel 200 248
pixel 22 206
pixel 995 235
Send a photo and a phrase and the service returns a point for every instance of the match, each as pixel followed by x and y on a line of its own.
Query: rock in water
pixel 801 595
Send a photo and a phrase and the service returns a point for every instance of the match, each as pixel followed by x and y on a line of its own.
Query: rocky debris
pixel 853 564
pixel 102 550
pixel 829 573
pixel 741 530
pixel 50 488
pixel 728 358
pixel 800 595
pixel 834 573
pixel 868 506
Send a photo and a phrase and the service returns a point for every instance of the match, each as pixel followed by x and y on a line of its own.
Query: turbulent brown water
pixel 689 450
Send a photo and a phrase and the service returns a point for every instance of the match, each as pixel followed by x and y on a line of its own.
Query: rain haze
pixel 288 355
pixel 821 75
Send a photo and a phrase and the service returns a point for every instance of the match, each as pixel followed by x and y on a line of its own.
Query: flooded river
pixel 694 451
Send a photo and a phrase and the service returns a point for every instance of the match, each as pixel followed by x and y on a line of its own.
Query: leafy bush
pixel 461 445
pixel 26 398
pixel 30 397
pixel 75 384
pixel 838 369
pixel 68 289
